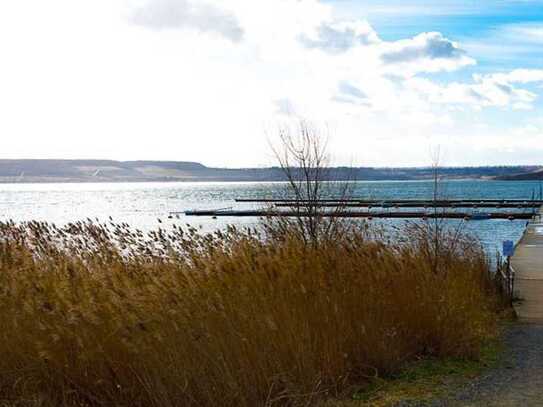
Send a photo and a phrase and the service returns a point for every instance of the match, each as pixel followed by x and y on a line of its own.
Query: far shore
pixel 97 171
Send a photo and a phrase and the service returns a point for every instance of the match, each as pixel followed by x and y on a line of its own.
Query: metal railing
pixel 505 279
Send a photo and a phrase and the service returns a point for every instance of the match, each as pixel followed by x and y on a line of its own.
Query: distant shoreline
pixel 108 171
pixel 230 181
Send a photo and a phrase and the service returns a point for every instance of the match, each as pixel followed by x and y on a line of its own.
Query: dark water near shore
pixel 142 204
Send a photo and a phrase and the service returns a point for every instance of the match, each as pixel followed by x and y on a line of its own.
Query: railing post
pixel 508 251
pixel 509 273
pixel 512 274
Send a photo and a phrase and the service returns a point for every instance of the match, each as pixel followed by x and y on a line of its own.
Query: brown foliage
pixel 96 314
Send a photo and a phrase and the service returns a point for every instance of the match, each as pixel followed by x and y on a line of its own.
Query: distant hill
pixel 140 171
pixel 536 175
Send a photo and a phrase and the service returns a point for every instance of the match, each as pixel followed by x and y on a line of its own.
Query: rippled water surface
pixel 142 204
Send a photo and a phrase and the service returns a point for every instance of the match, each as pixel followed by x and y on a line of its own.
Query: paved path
pixel 519 379
pixel 517 382
pixel 528 265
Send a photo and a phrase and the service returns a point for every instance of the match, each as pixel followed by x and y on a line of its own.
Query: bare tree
pixel 437 223
pixel 303 158
pixel 438 239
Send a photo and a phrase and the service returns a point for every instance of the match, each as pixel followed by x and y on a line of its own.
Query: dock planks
pixel 527 263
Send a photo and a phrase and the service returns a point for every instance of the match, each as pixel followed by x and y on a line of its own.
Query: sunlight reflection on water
pixel 142 204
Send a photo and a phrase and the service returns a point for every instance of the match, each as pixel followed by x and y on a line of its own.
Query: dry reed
pixel 100 314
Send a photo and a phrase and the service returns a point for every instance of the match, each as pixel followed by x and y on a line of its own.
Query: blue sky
pixel 211 80
pixel 491 30
pixel 473 23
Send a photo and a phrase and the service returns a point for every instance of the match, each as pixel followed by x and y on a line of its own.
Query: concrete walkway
pixel 528 265
pixel 518 381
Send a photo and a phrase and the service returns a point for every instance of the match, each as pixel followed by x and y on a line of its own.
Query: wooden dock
pixel 393 209
pixel 422 204
pixel 258 213
pixel 527 263
pixel 446 202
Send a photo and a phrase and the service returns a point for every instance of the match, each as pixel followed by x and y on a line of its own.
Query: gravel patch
pixel 517 381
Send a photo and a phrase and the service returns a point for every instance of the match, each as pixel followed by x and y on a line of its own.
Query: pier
pixel 393 201
pixel 527 265
pixel 422 204
pixel 467 209
pixel 361 214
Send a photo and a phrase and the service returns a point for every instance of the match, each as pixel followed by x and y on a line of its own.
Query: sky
pixel 212 80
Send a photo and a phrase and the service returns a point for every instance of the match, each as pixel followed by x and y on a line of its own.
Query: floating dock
pixel 392 201
pixel 422 204
pixel 527 265
pixel 362 214
pixel 395 209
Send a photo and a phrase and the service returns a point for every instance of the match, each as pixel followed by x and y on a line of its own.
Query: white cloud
pixel 340 37
pixel 493 90
pixel 178 90
pixel 187 14
pixel 358 41
pixel 424 46
pixel 349 93
pixel 426 52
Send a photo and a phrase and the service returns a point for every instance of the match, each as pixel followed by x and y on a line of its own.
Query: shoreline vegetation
pixel 101 314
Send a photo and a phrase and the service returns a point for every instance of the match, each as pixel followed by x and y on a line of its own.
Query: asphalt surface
pixel 518 379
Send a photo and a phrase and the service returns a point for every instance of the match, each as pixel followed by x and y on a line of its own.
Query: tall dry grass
pixel 96 314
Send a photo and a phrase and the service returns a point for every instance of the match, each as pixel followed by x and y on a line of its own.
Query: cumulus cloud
pixel 431 52
pixel 427 45
pixel 339 37
pixel 492 90
pixel 426 52
pixel 187 14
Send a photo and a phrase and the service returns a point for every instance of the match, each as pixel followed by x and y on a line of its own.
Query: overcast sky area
pixel 210 80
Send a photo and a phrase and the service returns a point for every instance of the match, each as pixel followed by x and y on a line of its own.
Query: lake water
pixel 142 204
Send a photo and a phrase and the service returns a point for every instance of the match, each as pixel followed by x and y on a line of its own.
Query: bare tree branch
pixel 303 158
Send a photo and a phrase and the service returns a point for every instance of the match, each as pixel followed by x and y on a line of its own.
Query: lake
pixel 143 204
